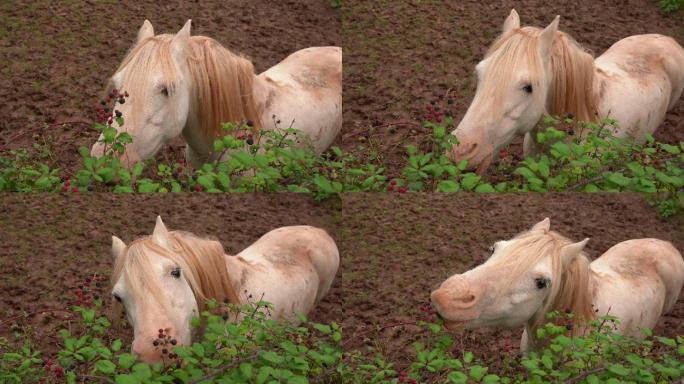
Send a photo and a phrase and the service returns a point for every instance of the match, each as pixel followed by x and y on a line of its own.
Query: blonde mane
pixel 570 292
pixel 571 86
pixel 202 262
pixel 221 81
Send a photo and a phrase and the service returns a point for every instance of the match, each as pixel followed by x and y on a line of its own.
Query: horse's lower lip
pixel 455 325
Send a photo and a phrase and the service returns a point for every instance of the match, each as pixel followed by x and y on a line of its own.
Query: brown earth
pixel 398 55
pixel 50 243
pixel 404 246
pixel 58 56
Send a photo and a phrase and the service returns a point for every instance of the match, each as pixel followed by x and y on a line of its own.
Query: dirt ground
pixel 404 246
pixel 398 55
pixel 58 56
pixel 50 243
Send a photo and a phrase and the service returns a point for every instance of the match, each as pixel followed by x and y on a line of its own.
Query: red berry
pixel 393 182
pixel 402 190
pixel 75 190
pixel 390 187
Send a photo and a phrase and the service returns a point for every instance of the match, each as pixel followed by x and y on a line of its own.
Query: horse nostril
pixel 466 301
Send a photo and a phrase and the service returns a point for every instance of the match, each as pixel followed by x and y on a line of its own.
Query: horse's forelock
pixel 140 62
pixel 506 55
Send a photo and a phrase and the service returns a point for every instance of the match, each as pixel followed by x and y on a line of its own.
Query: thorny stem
pixel 2 323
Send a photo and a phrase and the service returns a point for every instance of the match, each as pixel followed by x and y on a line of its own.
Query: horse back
pixel 645 262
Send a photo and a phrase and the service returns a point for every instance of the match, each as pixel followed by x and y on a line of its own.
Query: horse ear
pixel 180 41
pixel 547 37
pixel 118 247
pixel 512 22
pixel 160 234
pixel 570 251
pixel 145 31
pixel 544 225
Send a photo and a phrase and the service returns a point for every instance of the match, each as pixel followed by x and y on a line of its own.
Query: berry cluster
pixel 392 186
pixel 403 378
pixel 166 343
pixel 502 153
pixel 246 134
pixel 55 369
pixel 436 110
pixel 429 313
pixel 88 291
pixel 67 187
pixel 104 113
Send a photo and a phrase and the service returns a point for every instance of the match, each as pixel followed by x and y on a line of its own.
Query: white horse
pixel 529 72
pixel 163 281
pixel 540 271
pixel 180 84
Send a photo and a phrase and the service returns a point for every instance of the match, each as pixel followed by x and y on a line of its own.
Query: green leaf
pixel 126 360
pixel 618 369
pixel 126 379
pixel 105 366
pixel 485 188
pixel 247 370
pixel 671 149
pixel 477 372
pixel 618 178
pixel 457 377
pixel 448 186
pixel 297 380
pixel 470 180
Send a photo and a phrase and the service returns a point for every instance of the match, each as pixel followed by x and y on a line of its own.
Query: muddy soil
pixel 404 246
pixel 50 243
pixel 400 54
pixel 58 56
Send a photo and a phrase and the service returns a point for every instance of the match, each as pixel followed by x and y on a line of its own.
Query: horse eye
pixel 165 91
pixel 118 298
pixel 528 88
pixel 541 282
pixel 176 273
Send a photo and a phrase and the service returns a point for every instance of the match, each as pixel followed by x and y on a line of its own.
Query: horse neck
pixel 265 92
pixel 199 143
pixel 239 270
pixel 573 84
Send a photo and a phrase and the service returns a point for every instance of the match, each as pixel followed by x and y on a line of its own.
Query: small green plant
pixel 572 156
pixel 251 349
pixel 241 344
pixel 599 356
pixel 669 6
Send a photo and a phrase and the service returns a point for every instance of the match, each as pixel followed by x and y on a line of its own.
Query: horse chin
pixel 455 325
pixel 484 165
